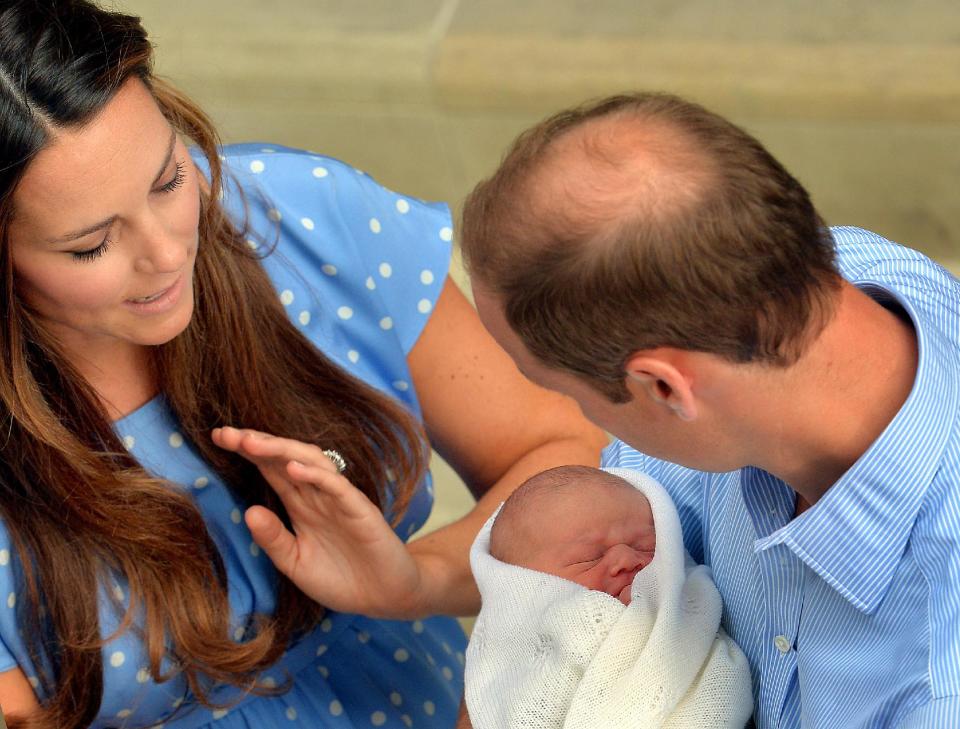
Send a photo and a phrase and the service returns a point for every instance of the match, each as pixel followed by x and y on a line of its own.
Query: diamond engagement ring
pixel 337 459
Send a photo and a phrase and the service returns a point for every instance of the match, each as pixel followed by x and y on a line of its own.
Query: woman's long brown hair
pixel 66 481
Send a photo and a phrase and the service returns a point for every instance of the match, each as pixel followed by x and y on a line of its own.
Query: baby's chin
pixel 624 595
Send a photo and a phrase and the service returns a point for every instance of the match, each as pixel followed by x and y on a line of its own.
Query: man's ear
pixel 661 376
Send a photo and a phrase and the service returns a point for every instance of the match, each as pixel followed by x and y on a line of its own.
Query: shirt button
pixel 782 643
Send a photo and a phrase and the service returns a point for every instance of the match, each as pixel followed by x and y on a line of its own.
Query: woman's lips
pixel 160 302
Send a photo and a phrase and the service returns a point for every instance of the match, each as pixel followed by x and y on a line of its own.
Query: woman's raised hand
pixel 342 552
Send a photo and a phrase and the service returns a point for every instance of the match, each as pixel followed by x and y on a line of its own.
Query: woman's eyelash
pixel 176 181
pixel 93 253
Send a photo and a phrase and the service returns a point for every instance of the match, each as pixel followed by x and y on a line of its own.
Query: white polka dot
pixel 238 633
pixel 329 269
pixel 336 708
pixel 256 167
pixel 274 215
pixel 323 671
pixel 378 718
pixel 417 626
pixel 4 557
pixel 374 225
pixel 386 323
pixel 407 720
pixel 175 440
pixel 424 306
pixel 252 244
pixel 326 625
pixel 11 599
pixel 254 549
pixel 353 355
pixel 143 675
pixel 269 682
pixel 304 317
pixel 321 649
pixel 124 713
pixel 401 385
pixel 429 707
pixel 446 234
pixel 118 593
pixel 177 702
pixel 286 297
pixel 117 658
pixel 201 482
pixel 235 516
pixel 401 655
pixel 345 312
pixel 129 442
pixel 291 713
pixel 460 658
pixel 363 636
pixel 320 172
pixel 219 714
pixel 431 660
pixel 34 681
pixel 447 673
pixel 306 223
pixel 371 284
pixel 386 270
pixel 403 207
pixel 411 529
pixel 267 150
pixel 395 698
pixel 426 277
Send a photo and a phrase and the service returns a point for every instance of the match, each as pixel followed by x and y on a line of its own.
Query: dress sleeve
pixel 11 644
pixel 375 258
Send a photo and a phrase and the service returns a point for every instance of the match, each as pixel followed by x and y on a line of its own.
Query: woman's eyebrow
pixel 169 154
pixel 109 221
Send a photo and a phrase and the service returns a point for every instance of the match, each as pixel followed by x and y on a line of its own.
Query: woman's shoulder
pixel 374 259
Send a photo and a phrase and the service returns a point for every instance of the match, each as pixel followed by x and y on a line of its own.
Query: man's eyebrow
pixel 109 221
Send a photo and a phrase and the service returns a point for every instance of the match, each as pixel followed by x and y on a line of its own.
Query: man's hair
pixel 641 221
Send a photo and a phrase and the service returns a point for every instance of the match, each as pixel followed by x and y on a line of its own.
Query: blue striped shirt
pixel 849 613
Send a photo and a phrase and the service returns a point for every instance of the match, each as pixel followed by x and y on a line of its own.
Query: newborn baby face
pixel 599 538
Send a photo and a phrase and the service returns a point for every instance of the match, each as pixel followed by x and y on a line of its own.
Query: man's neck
pixel 837 400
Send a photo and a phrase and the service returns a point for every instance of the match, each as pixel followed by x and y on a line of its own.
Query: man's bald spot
pixel 617 169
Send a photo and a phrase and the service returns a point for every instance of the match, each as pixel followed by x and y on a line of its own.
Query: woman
pixel 147 310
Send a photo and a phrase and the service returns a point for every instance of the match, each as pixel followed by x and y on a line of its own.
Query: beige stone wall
pixel 859 98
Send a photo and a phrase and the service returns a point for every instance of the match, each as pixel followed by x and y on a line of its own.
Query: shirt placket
pixel 771 505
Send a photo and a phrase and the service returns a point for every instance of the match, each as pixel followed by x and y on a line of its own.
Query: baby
pixel 583 524
pixel 640 647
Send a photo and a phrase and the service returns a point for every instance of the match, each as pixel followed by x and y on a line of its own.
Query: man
pixel 794 388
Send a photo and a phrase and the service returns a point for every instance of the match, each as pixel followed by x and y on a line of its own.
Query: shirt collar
pixel 855 535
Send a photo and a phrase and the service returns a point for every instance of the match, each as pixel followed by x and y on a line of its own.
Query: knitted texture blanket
pixel 548 653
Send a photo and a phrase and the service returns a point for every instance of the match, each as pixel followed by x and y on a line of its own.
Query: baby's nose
pixel 622 558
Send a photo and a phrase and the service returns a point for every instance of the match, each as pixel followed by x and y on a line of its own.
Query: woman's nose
pixel 160 252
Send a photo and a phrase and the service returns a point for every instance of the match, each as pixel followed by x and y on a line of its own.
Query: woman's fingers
pixel 259 447
pixel 348 498
pixel 273 537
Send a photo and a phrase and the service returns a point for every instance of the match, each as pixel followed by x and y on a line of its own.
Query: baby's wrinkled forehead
pixel 554 503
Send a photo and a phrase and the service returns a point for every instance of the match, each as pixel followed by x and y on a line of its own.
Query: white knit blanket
pixel 548 653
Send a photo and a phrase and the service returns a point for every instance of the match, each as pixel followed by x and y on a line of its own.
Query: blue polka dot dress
pixel 359 269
